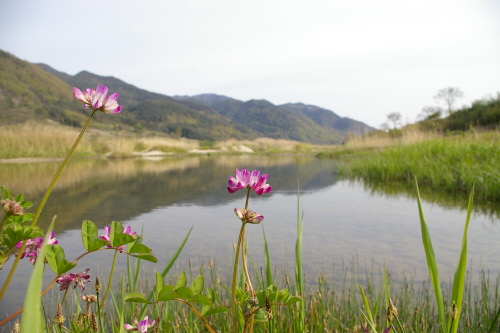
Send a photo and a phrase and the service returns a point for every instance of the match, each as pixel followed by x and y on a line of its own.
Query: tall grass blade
pixel 32 316
pixel 431 261
pixel 459 279
pixel 298 265
pixel 167 268
pixel 267 261
pixel 368 315
pixel 386 293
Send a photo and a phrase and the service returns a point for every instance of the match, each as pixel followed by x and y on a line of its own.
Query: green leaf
pixel 158 283
pixel 26 204
pixel 283 295
pixel 431 261
pixel 115 229
pixel 211 294
pixel 166 293
pixel 122 239
pixel 139 248
pixel 184 292
pixel 197 284
pixel 146 256
pixel 369 316
pixel 55 258
pixel 89 233
pixel 5 192
pixel 201 299
pixel 215 311
pixel 293 299
pixel 181 281
pixel 459 278
pixel 96 243
pixel 32 317
pixel 17 233
pixel 136 297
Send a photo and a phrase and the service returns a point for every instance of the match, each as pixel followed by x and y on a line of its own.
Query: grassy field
pixel 451 164
pixel 329 306
pixel 50 140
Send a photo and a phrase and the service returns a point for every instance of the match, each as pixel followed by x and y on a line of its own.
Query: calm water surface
pixel 343 221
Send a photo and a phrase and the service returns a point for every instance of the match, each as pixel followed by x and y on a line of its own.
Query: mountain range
pixel 37 91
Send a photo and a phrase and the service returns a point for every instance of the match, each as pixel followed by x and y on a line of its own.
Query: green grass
pixel 449 165
pixel 331 305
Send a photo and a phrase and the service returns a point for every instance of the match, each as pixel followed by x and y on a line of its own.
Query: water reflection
pixel 165 198
pixel 106 190
pixel 444 199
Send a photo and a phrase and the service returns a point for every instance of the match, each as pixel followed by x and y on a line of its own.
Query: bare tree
pixel 430 112
pixel 395 117
pixel 448 96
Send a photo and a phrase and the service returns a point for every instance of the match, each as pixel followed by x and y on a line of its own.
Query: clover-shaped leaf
pixel 56 260
pixel 136 297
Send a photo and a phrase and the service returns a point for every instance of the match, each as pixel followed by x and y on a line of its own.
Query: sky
pixel 362 59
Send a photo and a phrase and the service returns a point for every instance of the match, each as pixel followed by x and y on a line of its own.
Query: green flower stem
pixel 44 200
pixel 241 237
pixel 61 167
pixel 110 279
pixel 248 286
pixel 234 308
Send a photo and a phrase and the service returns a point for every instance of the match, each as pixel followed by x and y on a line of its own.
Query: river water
pixel 344 221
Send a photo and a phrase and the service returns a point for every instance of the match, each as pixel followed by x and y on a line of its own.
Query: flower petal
pixel 79 96
pixel 98 97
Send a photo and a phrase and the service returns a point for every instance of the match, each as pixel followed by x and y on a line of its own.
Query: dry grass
pixel 40 140
pixel 270 146
pixel 383 139
pixel 52 140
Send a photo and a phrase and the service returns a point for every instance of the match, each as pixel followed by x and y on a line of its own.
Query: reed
pixel 450 164
pixel 51 140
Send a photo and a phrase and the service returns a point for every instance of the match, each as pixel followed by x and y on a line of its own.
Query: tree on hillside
pixel 430 113
pixel 448 96
pixel 395 118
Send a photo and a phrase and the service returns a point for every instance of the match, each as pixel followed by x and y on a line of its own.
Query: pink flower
pixel 78 279
pixel 141 326
pixel 247 216
pixel 245 179
pixel 96 99
pixel 32 249
pixel 12 207
pixel 126 230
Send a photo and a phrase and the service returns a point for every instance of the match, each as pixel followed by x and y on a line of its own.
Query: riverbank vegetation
pixel 451 164
pixel 331 305
pixel 52 140
pixel 440 153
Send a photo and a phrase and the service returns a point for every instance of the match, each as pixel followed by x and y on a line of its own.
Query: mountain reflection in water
pixel 163 199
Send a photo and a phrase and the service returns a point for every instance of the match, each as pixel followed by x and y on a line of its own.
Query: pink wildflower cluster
pixel 12 207
pixel 141 326
pixel 32 249
pixel 246 179
pixel 78 279
pixel 96 99
pixel 126 230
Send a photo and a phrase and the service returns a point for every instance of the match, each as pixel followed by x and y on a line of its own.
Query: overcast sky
pixel 360 59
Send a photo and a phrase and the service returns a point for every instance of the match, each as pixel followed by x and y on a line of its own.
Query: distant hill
pixel 336 126
pixel 29 91
pixel 328 119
